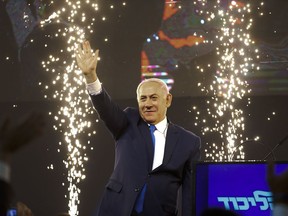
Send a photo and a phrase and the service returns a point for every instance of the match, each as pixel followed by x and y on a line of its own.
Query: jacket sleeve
pixel 187 183
pixel 113 116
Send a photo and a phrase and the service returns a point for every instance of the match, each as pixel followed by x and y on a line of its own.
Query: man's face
pixel 153 102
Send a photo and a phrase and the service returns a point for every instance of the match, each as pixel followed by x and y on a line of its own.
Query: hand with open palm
pixel 87 61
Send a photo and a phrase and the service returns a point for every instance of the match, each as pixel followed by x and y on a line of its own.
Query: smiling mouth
pixel 149 112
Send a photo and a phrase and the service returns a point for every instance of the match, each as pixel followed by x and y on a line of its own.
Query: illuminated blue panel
pixel 240 187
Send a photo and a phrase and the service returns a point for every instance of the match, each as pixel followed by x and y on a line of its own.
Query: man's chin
pixel 149 120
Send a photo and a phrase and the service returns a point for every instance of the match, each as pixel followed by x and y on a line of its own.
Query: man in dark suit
pixel 149 166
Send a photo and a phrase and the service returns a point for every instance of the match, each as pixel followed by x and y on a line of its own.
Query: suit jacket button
pixel 136 189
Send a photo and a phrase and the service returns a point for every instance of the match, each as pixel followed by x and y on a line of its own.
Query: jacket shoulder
pixel 132 113
pixel 187 134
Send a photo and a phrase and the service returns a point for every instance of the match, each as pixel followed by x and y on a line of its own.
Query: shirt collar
pixel 161 126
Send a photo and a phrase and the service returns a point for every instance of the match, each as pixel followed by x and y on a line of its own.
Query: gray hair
pixel 159 81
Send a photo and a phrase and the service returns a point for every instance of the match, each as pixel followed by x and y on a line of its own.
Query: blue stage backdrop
pixel 237 186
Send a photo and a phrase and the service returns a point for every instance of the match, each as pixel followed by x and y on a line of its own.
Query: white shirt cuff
pixel 280 210
pixel 94 88
pixel 4 171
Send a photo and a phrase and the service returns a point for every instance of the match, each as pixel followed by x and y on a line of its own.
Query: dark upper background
pixel 128 28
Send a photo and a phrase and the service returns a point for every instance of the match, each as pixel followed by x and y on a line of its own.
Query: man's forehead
pixel 147 94
pixel 150 88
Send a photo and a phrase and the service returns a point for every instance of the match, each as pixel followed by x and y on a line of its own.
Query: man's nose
pixel 148 103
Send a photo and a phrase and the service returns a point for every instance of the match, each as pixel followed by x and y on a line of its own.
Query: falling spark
pixel 67 88
pixel 235 55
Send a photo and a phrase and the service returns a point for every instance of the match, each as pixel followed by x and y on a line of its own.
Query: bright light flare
pixel 235 50
pixel 68 87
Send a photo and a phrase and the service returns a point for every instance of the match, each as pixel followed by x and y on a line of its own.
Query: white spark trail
pixel 68 88
pixel 235 50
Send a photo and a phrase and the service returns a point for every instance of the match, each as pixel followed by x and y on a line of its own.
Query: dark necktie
pixel 140 199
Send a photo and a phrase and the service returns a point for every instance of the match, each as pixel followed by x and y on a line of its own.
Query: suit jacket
pixel 133 164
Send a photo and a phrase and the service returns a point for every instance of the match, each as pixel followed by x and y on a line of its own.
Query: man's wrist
pixel 4 171
pixel 90 77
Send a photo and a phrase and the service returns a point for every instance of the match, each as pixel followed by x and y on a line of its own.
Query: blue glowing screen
pixel 240 187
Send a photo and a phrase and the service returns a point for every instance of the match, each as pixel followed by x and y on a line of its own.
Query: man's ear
pixel 168 100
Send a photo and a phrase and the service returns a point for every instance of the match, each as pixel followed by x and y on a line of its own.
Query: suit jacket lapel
pixel 148 150
pixel 172 137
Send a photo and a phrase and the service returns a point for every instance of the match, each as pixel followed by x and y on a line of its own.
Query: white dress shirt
pixel 160 139
pixel 94 88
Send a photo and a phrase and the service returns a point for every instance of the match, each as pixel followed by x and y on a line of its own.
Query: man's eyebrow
pixel 154 94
